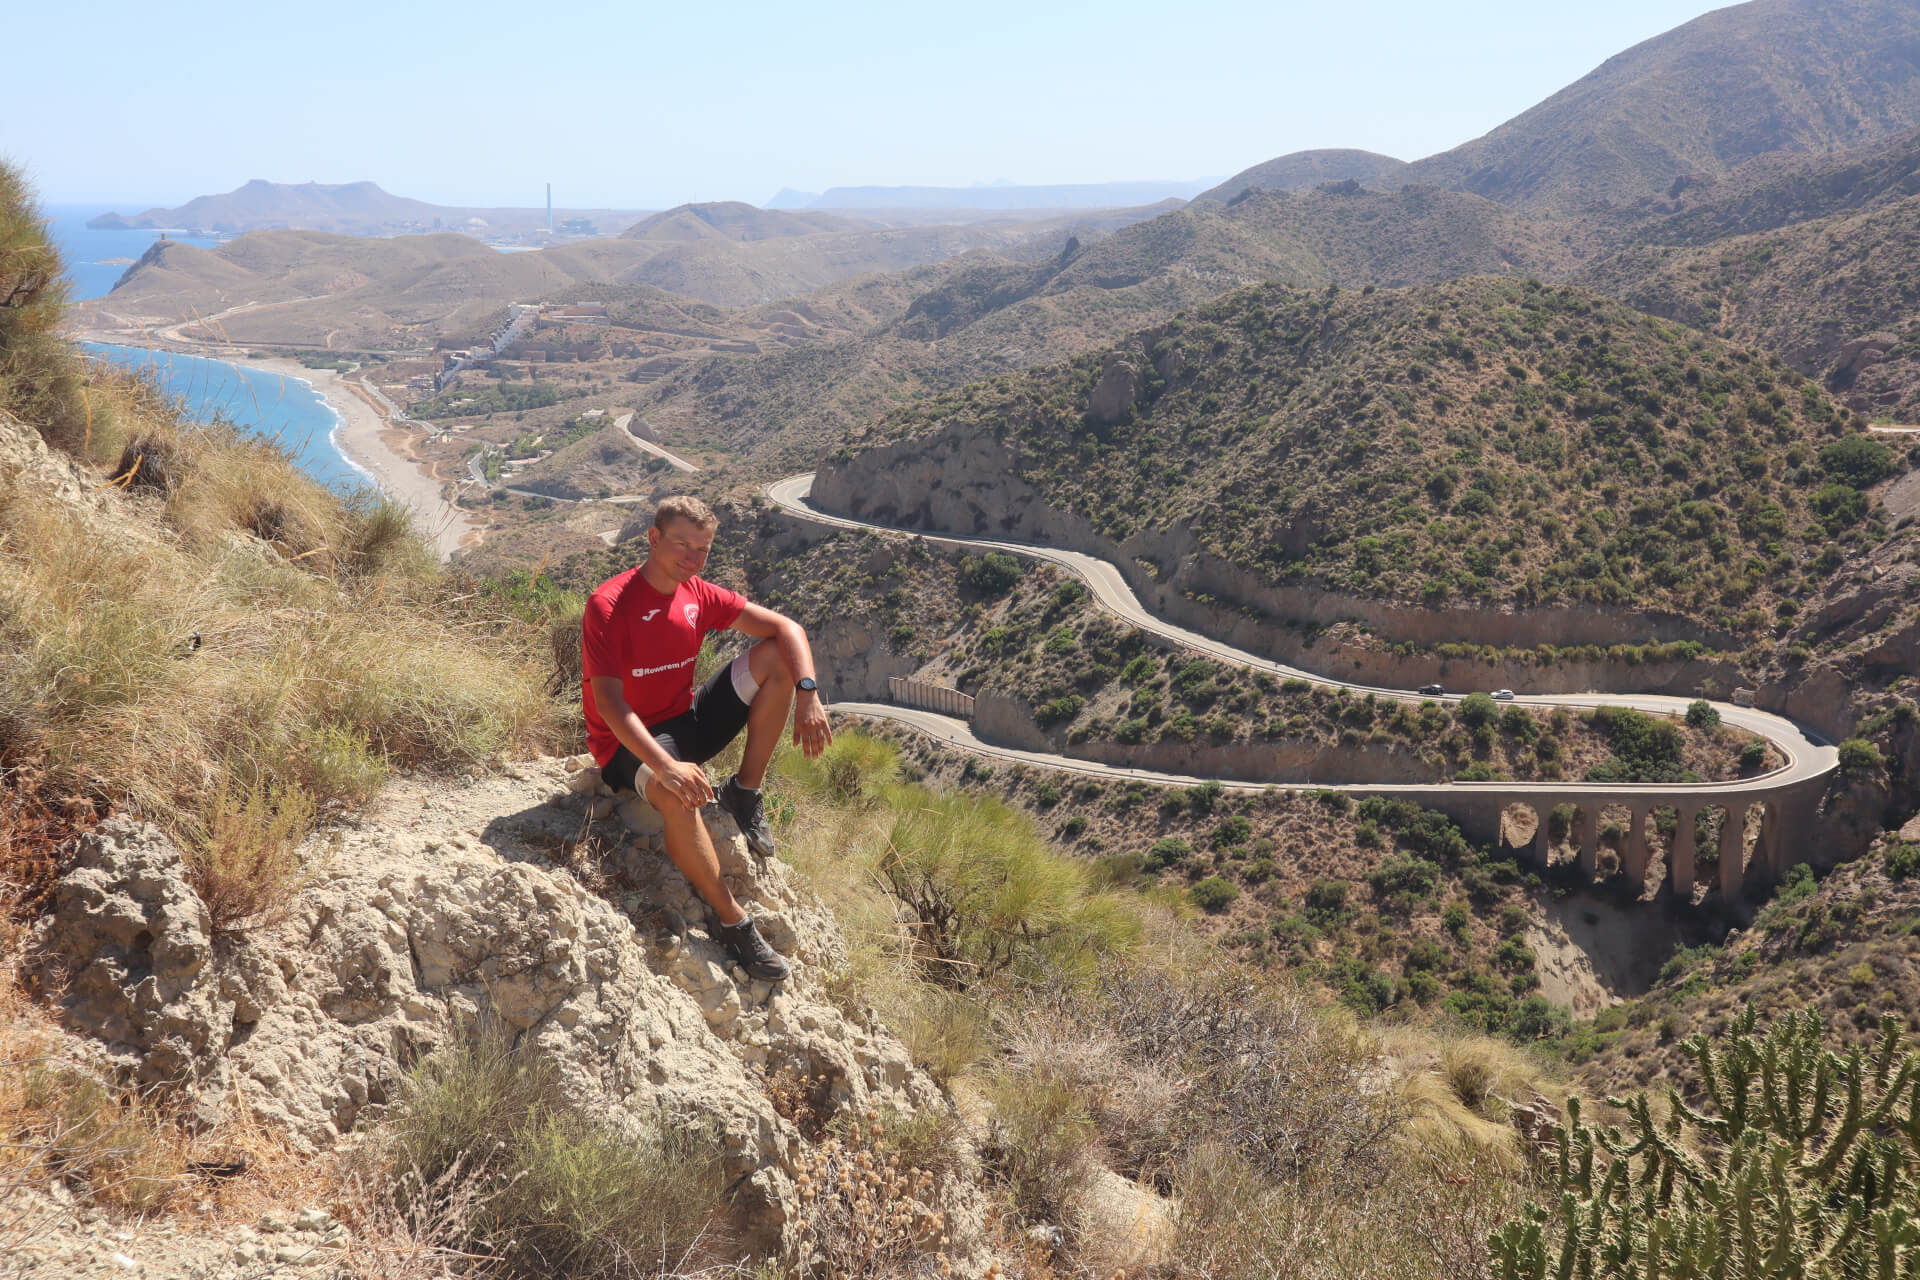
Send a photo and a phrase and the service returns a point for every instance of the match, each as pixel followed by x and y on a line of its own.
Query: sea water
pixel 286 410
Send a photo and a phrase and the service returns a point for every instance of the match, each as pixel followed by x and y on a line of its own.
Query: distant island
pixel 362 209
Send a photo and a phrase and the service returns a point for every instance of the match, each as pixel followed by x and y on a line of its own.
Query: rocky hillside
pixel 443 906
pixel 1479 443
pixel 1304 170
pixel 1843 945
pixel 1835 296
pixel 1782 188
pixel 1769 75
pixel 732 220
pixel 984 316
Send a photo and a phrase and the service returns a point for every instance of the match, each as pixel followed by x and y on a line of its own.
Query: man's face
pixel 681 548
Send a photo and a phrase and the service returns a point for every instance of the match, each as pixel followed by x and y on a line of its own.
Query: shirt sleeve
pixel 597 657
pixel 719 607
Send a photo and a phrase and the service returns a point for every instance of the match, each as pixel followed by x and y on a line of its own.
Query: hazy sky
pixel 641 105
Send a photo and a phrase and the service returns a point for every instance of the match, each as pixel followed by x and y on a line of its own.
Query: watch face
pixel 808 684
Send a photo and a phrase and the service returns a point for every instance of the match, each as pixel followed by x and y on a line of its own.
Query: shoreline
pixel 365 439
pixel 382 452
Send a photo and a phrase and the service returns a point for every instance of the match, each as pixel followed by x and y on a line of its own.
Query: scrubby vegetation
pixel 1126 1043
pixel 218 643
pixel 1483 441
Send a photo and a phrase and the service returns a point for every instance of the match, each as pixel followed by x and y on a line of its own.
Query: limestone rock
pixel 132 944
pixel 1117 391
pixel 415 926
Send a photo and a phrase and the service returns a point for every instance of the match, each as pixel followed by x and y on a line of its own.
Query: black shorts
pixel 696 735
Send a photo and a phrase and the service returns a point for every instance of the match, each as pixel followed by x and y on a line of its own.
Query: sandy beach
pixel 384 452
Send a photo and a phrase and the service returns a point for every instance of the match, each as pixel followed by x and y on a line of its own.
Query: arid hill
pixel 982 315
pixel 1835 296
pixel 1782 188
pixel 732 220
pixel 1304 170
pixel 1492 442
pixel 308 288
pixel 1686 107
pixel 1770 75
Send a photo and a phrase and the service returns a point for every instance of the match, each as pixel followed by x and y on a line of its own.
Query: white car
pixel 1503 695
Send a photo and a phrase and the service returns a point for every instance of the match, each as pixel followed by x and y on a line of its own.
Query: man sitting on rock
pixel 639 640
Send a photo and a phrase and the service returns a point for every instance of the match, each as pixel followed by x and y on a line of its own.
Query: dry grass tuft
pixel 864 1210
pixel 547 1190
pixel 223 687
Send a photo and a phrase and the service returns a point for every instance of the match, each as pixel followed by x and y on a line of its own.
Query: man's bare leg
pixel 767 713
pixel 691 850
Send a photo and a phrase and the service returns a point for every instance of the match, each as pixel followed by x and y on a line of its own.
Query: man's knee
pixel 769 665
pixel 665 801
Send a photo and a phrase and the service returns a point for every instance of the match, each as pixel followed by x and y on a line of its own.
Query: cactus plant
pixel 1799 1164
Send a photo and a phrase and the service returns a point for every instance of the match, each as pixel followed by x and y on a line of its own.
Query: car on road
pixel 1503 695
pixel 1432 690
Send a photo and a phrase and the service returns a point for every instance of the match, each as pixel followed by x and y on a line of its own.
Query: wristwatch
pixel 807 684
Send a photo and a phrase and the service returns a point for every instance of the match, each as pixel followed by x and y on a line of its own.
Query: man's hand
pixel 687 783
pixel 810 731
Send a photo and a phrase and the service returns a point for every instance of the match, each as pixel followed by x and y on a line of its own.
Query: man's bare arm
pixel 810 730
pixel 687 781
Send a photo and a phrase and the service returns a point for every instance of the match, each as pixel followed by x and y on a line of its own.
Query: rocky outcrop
pixel 1116 391
pixel 130 948
pixel 1860 354
pixel 449 907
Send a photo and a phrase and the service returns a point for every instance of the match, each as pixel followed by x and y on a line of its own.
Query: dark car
pixel 1432 690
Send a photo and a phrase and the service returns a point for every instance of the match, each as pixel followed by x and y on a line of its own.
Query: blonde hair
pixel 684 506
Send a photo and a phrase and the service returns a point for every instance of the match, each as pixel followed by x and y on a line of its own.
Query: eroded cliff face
pixel 967 482
pixel 495 901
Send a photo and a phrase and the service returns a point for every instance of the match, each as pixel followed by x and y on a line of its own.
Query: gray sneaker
pixel 750 951
pixel 749 814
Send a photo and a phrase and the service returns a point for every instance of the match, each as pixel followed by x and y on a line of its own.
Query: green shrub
pixel 1201 799
pixel 1798 884
pixel 1515 722
pixel 1232 832
pixel 1060 710
pixel 1169 851
pixel 1213 894
pixel 1537 1018
pixel 992 574
pixel 1857 461
pixel 1702 715
pixel 1903 860
pixel 1476 709
pixel 989 895
pixel 1753 754
pixel 1858 757
pixel 1838 505
pixel 1325 904
pixel 1404 874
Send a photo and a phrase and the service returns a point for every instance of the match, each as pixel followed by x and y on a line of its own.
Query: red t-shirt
pixel 650 642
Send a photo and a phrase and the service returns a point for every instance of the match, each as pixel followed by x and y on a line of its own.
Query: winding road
pixel 1808 757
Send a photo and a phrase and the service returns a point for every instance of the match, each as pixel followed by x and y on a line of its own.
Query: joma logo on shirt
pixel 648 615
